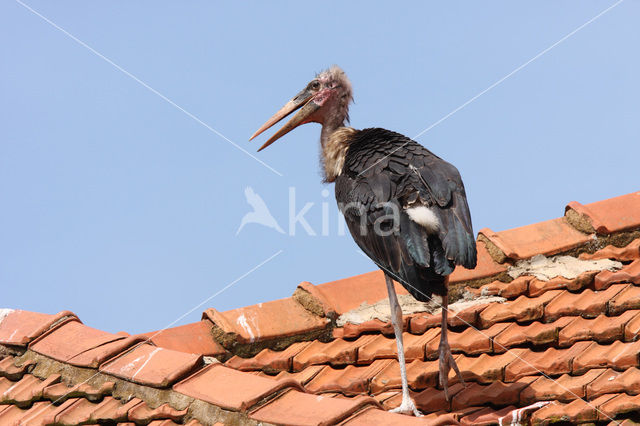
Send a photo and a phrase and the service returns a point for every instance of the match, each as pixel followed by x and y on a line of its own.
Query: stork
pixel 405 207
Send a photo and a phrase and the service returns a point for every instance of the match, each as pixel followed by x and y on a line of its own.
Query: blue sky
pixel 123 208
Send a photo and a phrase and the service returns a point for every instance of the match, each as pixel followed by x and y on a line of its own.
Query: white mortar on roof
pixel 544 268
pixel 4 312
pixel 517 415
pixel 381 310
pixel 242 322
pixel 145 363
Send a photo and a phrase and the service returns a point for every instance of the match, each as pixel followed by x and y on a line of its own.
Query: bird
pixel 405 207
pixel 260 213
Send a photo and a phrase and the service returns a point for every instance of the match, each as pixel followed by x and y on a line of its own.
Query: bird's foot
pixel 445 365
pixel 407 407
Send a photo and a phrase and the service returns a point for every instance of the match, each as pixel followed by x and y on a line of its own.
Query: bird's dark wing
pixel 384 171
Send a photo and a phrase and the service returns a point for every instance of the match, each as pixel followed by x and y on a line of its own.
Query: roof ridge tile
pixel 548 238
pixel 196 337
pixel 604 216
pixel 19 328
pixel 72 338
pixel 151 366
pixel 246 331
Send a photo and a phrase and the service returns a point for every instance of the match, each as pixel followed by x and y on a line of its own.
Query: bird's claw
pixel 446 363
pixel 407 407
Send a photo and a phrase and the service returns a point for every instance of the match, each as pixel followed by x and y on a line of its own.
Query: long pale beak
pixel 304 101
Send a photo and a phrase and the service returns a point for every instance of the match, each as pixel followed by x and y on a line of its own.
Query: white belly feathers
pixel 424 216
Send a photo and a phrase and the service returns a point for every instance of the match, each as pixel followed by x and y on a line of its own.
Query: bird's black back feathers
pixel 384 174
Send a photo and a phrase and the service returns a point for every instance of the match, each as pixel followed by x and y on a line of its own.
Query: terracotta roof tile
pixel 522 309
pixel 602 329
pixel 40 413
pixel 535 333
pixel 577 411
pixel 550 237
pixel 620 403
pixel 337 352
pixel 486 267
pixel 629 273
pixel 442 419
pixel 71 339
pixel 351 380
pixel 111 409
pixel 21 327
pixel 10 370
pixel 489 368
pixel 496 394
pixel 195 338
pixel 471 341
pixel 230 389
pixel 537 287
pixel 628 298
pixel 564 388
pixel 551 361
pixel 617 355
pixel 612 381
pixel 386 396
pixel 26 390
pixel 94 357
pixel 465 317
pixel 142 413
pixel 420 375
pixel 151 366
pixel 611 215
pixel 77 412
pixel 587 303
pixel 61 391
pixel 568 343
pixel 5 384
pixel 510 290
pixel 82 411
pixel 632 329
pixel 431 400
pixel 486 416
pixel 268 360
pixel 163 423
pixel 374 416
pixel 418 324
pixel 625 422
pixel 624 254
pixel 303 377
pixel 297 408
pixel 347 294
pixel 385 347
pixel 265 321
pixel 351 331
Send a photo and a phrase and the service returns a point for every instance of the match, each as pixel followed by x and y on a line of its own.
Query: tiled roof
pixel 537 348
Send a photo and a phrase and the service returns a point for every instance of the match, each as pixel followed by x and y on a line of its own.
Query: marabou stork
pixel 405 207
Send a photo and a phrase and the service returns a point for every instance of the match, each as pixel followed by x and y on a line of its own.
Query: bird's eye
pixel 315 85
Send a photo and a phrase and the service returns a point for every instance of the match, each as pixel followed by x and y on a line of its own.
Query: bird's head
pixel 324 100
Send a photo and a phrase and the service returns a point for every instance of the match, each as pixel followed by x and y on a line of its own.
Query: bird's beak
pixel 304 101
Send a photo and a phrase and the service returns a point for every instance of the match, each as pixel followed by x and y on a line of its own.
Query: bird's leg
pixel 407 406
pixel 446 361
